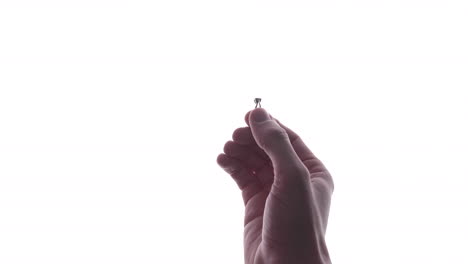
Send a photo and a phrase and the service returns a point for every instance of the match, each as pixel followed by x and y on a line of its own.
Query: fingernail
pixel 259 115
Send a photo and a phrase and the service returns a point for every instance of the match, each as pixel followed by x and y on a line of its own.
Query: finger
pixel 304 153
pixel 245 154
pixel 259 165
pixel 244 179
pixel 315 167
pixel 274 140
pixel 243 135
pixel 247 118
pixel 301 149
pixel 236 169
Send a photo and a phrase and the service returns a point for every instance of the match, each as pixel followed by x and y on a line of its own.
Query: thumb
pixel 274 140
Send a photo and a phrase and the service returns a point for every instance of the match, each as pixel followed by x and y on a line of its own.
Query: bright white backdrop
pixel 112 114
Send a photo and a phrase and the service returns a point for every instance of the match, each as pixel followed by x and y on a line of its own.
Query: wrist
pixel 323 252
pixel 304 254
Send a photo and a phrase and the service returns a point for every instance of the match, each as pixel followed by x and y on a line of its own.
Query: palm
pixel 268 213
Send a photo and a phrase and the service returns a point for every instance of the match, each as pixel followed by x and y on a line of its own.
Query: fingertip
pixel 222 160
pixel 236 134
pixel 247 118
pixel 243 135
pixel 292 135
pixel 228 146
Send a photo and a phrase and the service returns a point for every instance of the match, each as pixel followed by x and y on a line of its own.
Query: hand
pixel 286 192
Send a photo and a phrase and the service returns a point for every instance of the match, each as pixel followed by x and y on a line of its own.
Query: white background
pixel 112 114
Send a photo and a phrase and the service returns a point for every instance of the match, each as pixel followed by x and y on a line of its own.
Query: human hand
pixel 286 192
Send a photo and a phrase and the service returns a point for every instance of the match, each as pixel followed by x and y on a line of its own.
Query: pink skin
pixel 286 192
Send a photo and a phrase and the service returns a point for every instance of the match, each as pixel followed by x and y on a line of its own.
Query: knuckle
pixel 274 135
pixel 228 147
pixel 324 178
pixel 237 133
pixel 235 171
